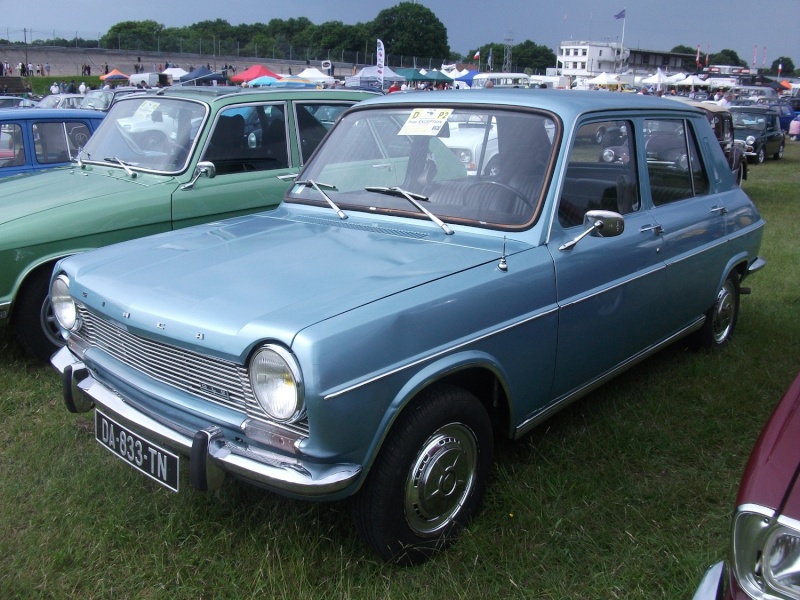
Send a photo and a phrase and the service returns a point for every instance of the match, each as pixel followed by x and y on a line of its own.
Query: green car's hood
pixel 25 196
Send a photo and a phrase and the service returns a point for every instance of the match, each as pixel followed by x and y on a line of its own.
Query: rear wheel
pixel 722 316
pixel 779 154
pixel 33 320
pixel 429 478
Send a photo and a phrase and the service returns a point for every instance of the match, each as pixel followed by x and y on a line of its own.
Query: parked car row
pixel 403 307
pixel 160 160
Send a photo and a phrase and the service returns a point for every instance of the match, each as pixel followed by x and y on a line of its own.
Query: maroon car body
pixel 765 549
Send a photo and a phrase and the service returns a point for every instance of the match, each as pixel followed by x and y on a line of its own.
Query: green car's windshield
pixel 470 165
pixel 147 133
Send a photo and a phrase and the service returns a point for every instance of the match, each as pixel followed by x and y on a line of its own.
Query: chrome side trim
pixel 442 352
pixel 558 404
pixel 580 299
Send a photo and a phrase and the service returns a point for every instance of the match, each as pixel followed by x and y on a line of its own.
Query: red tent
pixel 252 73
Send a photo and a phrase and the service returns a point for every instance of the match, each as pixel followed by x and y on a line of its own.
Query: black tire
pixel 492 169
pixel 33 320
pixel 599 135
pixel 739 175
pixel 779 154
pixel 761 155
pixel 429 478
pixel 722 316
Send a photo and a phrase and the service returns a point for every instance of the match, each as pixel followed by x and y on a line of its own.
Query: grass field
pixel 627 493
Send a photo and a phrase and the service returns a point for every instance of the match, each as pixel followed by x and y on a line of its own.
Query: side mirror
pixel 204 168
pixel 598 223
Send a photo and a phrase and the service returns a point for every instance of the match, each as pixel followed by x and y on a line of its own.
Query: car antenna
pixel 503 266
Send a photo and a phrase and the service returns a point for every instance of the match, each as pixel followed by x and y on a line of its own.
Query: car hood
pixel 266 276
pixel 771 476
pixel 60 187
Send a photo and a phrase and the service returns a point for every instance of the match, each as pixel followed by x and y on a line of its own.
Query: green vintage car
pixel 161 160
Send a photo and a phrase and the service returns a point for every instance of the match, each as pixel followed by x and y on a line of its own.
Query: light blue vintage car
pixel 374 334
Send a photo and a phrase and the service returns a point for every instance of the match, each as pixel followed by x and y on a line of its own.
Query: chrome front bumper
pixel 712 586
pixel 210 454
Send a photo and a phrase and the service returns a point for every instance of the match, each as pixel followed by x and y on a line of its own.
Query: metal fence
pixel 172 47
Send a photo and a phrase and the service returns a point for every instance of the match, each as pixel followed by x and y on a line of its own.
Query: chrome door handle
pixel 657 229
pixel 719 209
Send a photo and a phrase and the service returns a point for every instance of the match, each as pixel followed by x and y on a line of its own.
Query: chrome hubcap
pixel 723 312
pixel 441 478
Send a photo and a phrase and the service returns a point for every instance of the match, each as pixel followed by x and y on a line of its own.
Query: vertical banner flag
pixel 381 59
pixel 764 58
pixel 755 51
pixel 489 61
pixel 697 58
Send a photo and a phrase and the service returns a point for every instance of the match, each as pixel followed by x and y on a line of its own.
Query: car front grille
pixel 215 380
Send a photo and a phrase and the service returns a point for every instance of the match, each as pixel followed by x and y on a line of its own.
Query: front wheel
pixel 721 317
pixel 429 478
pixel 33 320
pixel 761 155
pixel 779 154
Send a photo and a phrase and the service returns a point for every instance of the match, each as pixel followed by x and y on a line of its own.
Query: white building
pixel 578 59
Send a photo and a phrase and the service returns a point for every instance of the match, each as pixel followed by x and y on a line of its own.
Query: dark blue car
pixel 40 138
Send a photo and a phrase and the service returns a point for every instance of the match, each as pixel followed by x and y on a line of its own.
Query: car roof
pixel 567 103
pixel 755 108
pixel 15 114
pixel 222 94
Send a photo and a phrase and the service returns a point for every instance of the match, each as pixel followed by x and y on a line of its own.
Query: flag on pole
pixel 780 68
pixel 697 58
pixel 381 60
pixel 489 60
pixel 620 14
pixel 755 51
pixel 477 55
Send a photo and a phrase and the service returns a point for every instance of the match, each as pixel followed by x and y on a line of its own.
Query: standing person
pixel 725 101
pixel 47 69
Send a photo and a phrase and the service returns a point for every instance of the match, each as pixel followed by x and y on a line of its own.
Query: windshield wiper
pixel 121 163
pixel 318 185
pixel 413 198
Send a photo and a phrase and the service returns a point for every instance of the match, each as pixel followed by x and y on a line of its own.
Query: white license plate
pixel 154 461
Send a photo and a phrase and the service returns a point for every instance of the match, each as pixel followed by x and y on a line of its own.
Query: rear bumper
pixel 210 454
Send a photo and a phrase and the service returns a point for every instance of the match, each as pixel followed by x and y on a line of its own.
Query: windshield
pixel 148 132
pixel 474 166
pixel 748 120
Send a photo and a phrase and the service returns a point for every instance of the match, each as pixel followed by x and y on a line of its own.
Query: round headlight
pixel 277 383
pixel 609 155
pixel 464 156
pixel 64 308
pixel 750 140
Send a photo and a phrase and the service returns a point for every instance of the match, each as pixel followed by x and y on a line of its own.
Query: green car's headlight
pixel 277 383
pixel 766 554
pixel 64 308
pixel 750 140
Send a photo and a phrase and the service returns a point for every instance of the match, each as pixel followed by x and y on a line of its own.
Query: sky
pixel 766 28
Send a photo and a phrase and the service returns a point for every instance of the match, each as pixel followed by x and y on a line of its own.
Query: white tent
pixel 604 79
pixel 692 80
pixel 317 76
pixel 175 72
pixel 372 73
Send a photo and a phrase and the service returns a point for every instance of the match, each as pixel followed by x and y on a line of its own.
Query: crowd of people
pixel 24 70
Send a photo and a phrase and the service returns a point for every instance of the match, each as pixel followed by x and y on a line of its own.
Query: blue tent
pixel 202 76
pixel 468 77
